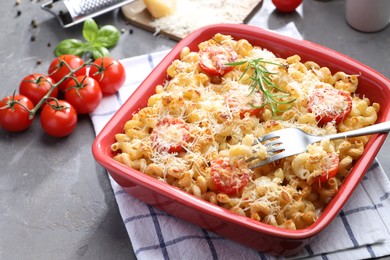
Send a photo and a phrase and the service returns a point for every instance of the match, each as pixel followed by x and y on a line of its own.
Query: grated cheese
pixel 194 14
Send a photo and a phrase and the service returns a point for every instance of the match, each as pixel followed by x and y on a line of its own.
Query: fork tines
pixel 273 146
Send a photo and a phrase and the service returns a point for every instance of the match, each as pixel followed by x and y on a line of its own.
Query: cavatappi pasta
pixel 199 128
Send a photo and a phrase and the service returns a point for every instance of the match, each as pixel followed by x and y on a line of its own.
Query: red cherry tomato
pixel 110 74
pixel 58 70
pixel 286 6
pixel 84 94
pixel 330 105
pixel 36 86
pixel 329 167
pixel 240 100
pixel 213 59
pixel 13 114
pixel 58 118
pixel 227 178
pixel 171 135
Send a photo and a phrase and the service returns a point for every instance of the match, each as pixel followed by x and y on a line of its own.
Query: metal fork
pixel 291 141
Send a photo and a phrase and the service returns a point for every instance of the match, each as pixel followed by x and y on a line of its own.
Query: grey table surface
pixel 56 202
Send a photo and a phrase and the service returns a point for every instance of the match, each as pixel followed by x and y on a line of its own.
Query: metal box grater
pixel 71 12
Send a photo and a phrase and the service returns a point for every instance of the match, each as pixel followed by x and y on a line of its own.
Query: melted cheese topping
pixel 328 102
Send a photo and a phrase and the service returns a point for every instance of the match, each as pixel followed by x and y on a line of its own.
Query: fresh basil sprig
pixel 97 41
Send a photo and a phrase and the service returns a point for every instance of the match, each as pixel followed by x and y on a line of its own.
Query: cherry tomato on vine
pixel 213 59
pixel 58 118
pixel 110 74
pixel 84 94
pixel 286 6
pixel 228 178
pixel 58 69
pixel 171 135
pixel 329 104
pixel 13 114
pixel 329 167
pixel 36 86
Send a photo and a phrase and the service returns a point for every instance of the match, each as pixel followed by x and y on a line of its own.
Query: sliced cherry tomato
pixel 286 6
pixel 58 70
pixel 13 114
pixel 110 74
pixel 84 94
pixel 329 167
pixel 229 179
pixel 171 135
pixel 58 118
pixel 36 86
pixel 239 99
pixel 213 59
pixel 329 104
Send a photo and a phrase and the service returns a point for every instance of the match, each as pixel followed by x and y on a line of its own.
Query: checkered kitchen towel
pixel 361 230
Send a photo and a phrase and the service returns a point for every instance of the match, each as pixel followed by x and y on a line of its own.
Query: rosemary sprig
pixel 261 81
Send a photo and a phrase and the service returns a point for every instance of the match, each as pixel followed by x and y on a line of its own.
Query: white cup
pixel 367 15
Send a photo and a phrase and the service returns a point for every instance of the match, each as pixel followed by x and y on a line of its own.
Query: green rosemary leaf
pixel 261 81
pixel 236 63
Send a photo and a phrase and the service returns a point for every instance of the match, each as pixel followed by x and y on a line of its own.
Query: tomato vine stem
pixel 53 86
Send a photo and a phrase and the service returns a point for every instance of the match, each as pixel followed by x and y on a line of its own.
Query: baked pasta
pixel 201 126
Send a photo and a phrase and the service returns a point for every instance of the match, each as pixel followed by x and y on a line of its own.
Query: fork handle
pixel 373 129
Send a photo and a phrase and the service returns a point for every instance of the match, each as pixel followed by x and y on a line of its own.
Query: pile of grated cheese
pixel 194 14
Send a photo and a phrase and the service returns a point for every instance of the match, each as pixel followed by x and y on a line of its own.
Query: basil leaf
pixel 90 30
pixel 107 36
pixel 99 51
pixel 97 41
pixel 69 46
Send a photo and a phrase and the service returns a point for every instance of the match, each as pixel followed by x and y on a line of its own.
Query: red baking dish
pixel 248 232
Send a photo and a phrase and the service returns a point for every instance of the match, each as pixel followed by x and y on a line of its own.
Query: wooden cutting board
pixel 137 14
